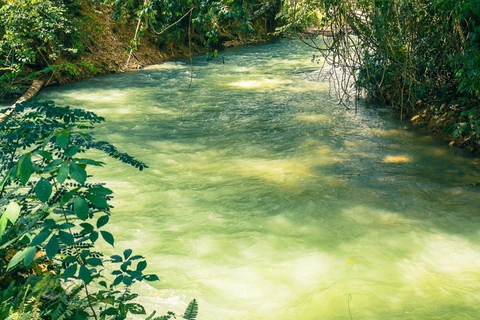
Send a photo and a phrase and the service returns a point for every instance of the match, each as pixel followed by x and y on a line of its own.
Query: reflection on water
pixel 268 201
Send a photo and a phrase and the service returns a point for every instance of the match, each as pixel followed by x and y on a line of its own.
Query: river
pixel 266 200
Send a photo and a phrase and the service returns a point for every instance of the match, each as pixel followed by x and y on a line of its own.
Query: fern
pixel 192 310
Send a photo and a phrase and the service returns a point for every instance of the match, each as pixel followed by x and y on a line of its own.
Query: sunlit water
pixel 269 201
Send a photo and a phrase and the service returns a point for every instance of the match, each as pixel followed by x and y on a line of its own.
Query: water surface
pixel 266 200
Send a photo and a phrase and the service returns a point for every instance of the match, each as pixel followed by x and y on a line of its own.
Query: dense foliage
pixel 53 217
pixel 47 38
pixel 411 54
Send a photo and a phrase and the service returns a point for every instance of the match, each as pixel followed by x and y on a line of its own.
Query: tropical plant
pixel 52 218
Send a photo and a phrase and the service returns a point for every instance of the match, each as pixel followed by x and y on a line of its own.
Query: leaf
pixel 127 280
pixel 67 196
pixel 102 191
pixel 40 238
pixel 80 207
pixel 63 172
pixel 107 236
pixel 24 168
pixel 20 256
pixel 66 238
pixel 52 247
pixel 44 154
pixel 52 165
pixel 116 258
pixel 12 212
pixel 103 220
pixel 97 201
pixel 117 280
pixel 141 265
pixel 87 227
pixel 71 151
pixel 85 274
pixel 61 141
pixel 70 271
pixel 151 277
pixel 192 310
pixel 109 311
pixel 30 253
pixel 94 262
pixel 43 190
pixel 127 253
pixel 89 161
pixel 93 236
pixel 135 308
pixel 49 223
pixel 77 173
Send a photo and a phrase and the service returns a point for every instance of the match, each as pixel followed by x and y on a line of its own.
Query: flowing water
pixel 266 200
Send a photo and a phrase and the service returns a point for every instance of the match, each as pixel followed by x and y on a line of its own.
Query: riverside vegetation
pixel 52 218
pixel 421 57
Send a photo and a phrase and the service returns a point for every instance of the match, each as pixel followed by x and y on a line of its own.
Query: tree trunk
pixel 29 94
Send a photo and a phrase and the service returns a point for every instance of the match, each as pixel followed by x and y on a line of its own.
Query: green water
pixel 269 201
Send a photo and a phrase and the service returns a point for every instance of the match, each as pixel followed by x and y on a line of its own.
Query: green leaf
pixel 52 166
pixel 93 236
pixel 63 172
pixel 87 227
pixel 49 223
pixel 107 236
pixel 94 262
pixel 127 280
pixel 22 255
pixel 103 220
pixel 43 190
pixel 97 201
pixel 151 277
pixel 40 238
pixel 135 308
pixel 77 173
pixel 67 196
pixel 141 265
pixel 71 151
pixel 192 310
pixel 117 280
pixel 89 161
pixel 109 311
pixel 85 274
pixel 52 247
pixel 127 253
pixel 61 141
pixel 116 258
pixel 66 238
pixel 80 207
pixel 24 168
pixel 11 213
pixel 102 191
pixel 44 154
pixel 30 253
pixel 70 271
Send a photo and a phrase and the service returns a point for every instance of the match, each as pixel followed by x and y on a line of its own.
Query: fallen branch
pixel 29 94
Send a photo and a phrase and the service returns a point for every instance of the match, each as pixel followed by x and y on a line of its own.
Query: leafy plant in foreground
pixel 52 218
